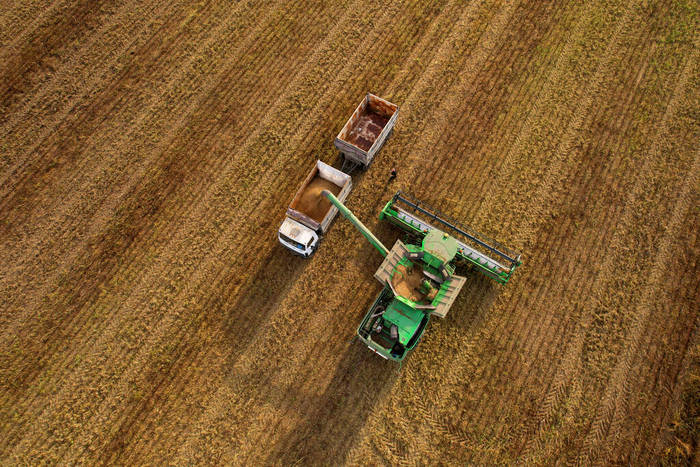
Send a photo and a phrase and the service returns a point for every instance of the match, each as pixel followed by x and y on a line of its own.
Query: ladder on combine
pixel 488 256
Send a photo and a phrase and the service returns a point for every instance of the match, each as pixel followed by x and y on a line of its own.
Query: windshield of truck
pixel 291 242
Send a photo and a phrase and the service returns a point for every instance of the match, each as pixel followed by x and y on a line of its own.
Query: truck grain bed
pixel 309 206
pixel 311 202
pixel 367 130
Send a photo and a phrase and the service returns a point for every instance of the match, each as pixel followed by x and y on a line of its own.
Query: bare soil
pixel 149 149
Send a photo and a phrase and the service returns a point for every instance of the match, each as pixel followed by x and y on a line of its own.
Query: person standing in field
pixel 392 175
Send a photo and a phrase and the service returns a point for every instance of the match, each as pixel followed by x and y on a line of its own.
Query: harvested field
pixel 148 151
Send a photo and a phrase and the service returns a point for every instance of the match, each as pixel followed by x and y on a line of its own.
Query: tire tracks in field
pixel 564 374
pixel 675 408
pixel 577 265
pixel 470 130
pixel 278 326
pixel 667 315
pixel 658 375
pixel 77 76
pixel 53 244
pixel 74 254
pixel 614 402
pixel 54 152
pixel 468 346
pixel 410 368
pixel 517 371
pixel 619 134
pixel 33 56
pixel 190 106
pixel 69 211
pixel 614 406
pixel 15 21
pixel 500 340
pixel 661 372
pixel 448 184
pixel 459 438
pixel 21 34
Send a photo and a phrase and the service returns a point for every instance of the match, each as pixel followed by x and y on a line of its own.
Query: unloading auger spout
pixel 357 223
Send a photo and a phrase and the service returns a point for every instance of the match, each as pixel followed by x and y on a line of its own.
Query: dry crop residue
pixel 148 314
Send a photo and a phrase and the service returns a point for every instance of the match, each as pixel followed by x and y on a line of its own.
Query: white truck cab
pixel 297 237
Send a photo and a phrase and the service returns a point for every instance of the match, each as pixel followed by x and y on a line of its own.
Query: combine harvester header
pixel 488 256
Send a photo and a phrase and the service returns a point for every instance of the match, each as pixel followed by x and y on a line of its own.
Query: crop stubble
pixel 148 300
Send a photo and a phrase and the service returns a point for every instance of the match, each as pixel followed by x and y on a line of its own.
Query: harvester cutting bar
pixel 466 250
pixel 499 269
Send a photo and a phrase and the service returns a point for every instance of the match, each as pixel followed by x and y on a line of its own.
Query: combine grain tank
pixel 366 131
pixel 310 213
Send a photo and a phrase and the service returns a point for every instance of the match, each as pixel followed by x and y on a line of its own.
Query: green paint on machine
pixel 419 281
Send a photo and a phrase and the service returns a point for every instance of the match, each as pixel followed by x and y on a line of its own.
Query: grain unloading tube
pixel 356 222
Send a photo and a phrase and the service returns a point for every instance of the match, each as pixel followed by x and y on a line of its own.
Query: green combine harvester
pixel 419 280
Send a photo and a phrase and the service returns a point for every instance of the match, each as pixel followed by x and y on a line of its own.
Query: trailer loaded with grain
pixel 310 214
